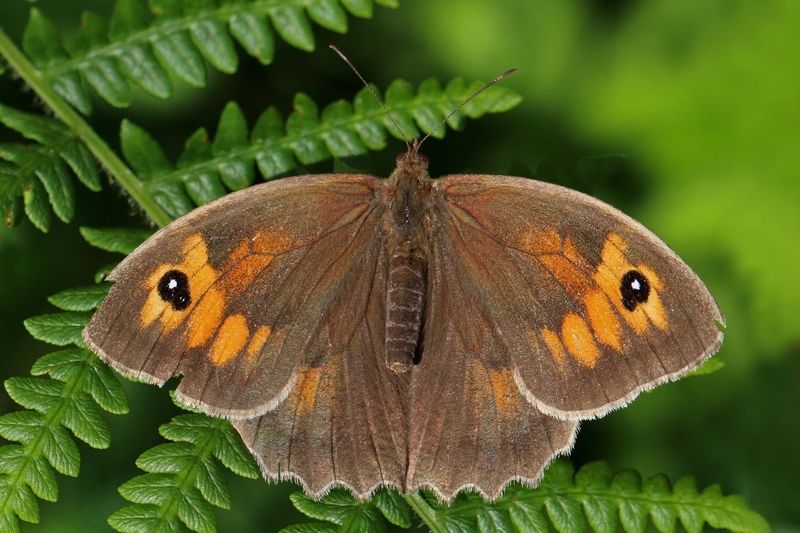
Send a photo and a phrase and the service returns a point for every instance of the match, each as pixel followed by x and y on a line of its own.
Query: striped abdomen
pixel 405 301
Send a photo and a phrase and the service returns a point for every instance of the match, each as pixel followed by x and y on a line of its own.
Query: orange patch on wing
pixel 230 339
pixel 579 340
pixel 655 311
pixel 575 282
pixel 572 253
pixel 153 307
pixel 608 275
pixel 258 340
pixel 206 317
pixel 271 242
pixel 553 343
pixel 540 242
pixel 603 319
pixel 239 253
pixel 652 277
pixel 506 392
pixel 307 388
pixel 195 253
pixel 242 273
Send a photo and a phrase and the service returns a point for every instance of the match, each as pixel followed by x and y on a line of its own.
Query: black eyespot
pixel 635 289
pixel 173 287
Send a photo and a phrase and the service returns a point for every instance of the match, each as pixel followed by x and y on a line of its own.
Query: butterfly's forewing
pixel 233 295
pixel 590 305
pixel 345 421
pixel 469 426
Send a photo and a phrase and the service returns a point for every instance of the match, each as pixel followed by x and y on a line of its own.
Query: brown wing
pixel 232 295
pixel 469 426
pixel 344 423
pixel 591 306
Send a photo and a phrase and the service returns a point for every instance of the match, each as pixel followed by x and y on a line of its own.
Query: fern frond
pixel 339 508
pixel 208 168
pixel 184 477
pixel 145 45
pixel 42 172
pixel 69 391
pixel 593 499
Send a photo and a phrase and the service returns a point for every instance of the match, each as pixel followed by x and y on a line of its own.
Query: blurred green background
pixel 683 113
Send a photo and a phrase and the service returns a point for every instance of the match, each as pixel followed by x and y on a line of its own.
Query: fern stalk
pixel 424 511
pixel 110 161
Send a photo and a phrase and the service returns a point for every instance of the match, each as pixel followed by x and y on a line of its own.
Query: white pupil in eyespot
pixel 173 284
pixel 635 285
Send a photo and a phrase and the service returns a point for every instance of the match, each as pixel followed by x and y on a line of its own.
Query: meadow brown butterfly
pixel 408 332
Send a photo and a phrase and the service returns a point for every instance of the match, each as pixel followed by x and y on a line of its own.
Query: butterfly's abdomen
pixel 405 301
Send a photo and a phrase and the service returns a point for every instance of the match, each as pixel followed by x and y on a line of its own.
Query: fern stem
pixel 110 161
pixel 424 511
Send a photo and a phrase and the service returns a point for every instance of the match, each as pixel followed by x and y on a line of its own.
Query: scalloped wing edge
pixel 441 496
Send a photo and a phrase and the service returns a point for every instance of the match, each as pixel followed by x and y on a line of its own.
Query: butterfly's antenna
pixel 374 93
pixel 465 102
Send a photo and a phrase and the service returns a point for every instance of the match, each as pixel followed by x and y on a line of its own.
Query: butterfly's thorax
pixel 404 223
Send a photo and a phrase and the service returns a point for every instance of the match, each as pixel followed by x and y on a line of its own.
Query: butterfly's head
pixel 412 159
pixel 412 167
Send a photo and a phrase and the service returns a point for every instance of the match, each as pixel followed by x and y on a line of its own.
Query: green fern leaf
pixel 39 394
pixel 593 499
pixel 316 527
pixel 328 14
pixel 42 173
pixel 43 45
pixel 206 170
pixel 143 518
pixel 393 507
pixel 80 298
pixel 172 458
pixel 60 329
pixel 39 476
pixel 712 365
pixel 146 45
pixel 35 199
pixel 341 508
pixel 117 240
pixel 183 477
pixel 70 388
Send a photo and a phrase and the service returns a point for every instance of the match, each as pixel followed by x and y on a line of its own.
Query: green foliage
pixel 68 391
pixel 208 168
pixel 344 513
pixel 593 499
pixel 117 240
pixel 712 365
pixel 41 172
pixel 150 45
pixel 184 477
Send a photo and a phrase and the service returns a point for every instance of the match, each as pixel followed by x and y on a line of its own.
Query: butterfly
pixel 408 332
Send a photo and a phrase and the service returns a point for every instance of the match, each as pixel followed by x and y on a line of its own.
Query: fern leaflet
pixel 208 168
pixel 42 172
pixel 147 45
